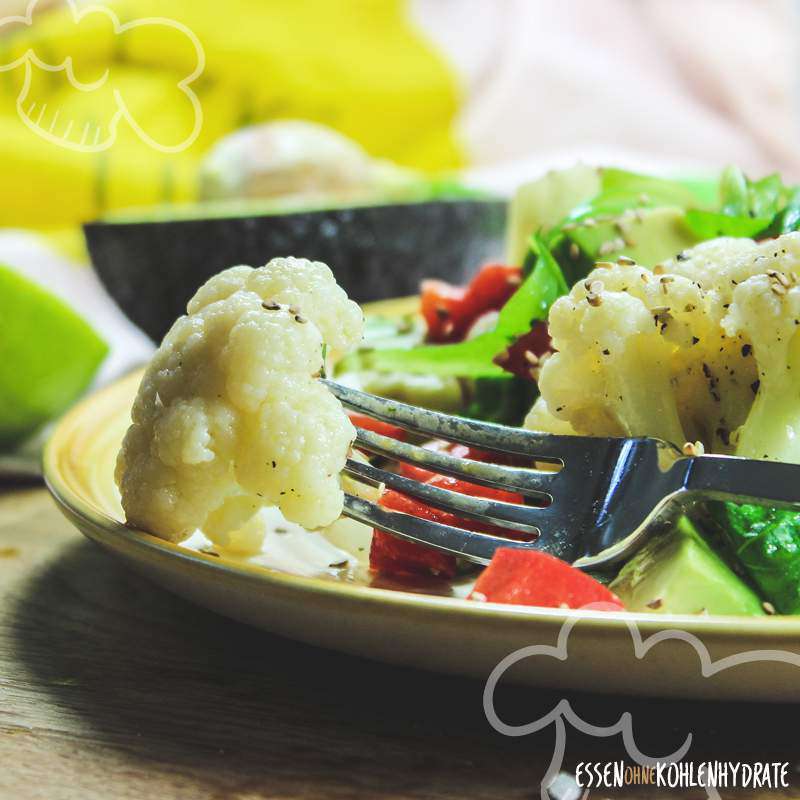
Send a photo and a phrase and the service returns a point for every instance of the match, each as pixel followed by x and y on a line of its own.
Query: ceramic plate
pixel 315 587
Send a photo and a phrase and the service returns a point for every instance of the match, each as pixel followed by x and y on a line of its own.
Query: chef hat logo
pixel 83 68
pixel 563 713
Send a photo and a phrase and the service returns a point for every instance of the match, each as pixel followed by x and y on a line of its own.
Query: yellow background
pixel 359 66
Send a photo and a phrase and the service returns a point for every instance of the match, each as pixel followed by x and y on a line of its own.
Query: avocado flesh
pixel 678 573
pixel 648 236
pixel 543 203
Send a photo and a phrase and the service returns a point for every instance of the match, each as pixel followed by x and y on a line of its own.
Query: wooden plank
pixel 112 688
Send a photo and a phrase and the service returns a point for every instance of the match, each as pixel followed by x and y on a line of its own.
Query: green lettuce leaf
pixel 711 224
pixel 473 358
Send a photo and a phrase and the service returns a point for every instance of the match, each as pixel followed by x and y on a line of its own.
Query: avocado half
pixel 152 267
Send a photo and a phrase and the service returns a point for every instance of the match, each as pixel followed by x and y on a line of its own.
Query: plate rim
pixel 77 507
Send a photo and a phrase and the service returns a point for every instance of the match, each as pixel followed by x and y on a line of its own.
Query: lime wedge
pixel 48 356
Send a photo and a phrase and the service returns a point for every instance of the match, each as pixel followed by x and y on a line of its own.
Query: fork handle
pixel 742 480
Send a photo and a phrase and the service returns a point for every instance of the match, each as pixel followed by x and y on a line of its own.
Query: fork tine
pixel 500 438
pixel 531 482
pixel 477 547
pixel 506 515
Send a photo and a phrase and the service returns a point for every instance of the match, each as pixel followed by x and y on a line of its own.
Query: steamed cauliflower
pixel 703 348
pixel 230 416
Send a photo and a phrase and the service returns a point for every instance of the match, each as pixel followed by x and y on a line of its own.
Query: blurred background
pixel 184 129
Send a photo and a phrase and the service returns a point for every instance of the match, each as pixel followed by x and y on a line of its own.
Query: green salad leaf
pixel 766 543
pixel 747 208
pixel 710 224
pixel 473 358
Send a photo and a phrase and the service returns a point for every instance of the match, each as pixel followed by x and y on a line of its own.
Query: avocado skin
pixel 678 573
pixel 152 268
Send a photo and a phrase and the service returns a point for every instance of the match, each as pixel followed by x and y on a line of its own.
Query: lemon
pixel 48 356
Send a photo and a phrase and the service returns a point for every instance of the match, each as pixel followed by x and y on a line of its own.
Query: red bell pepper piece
pixel 377 426
pixel 531 578
pixel 523 357
pixel 392 555
pixel 450 311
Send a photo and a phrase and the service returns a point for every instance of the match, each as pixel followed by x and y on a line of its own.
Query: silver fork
pixel 595 506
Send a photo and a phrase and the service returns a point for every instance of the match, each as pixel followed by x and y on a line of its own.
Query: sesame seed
pixel 625 260
pixel 693 449
pixel 654 604
pixel 479 596
pixel 780 277
pixel 768 607
pixel 531 357
pixel 301 319
pixel 574 251
pixel 271 305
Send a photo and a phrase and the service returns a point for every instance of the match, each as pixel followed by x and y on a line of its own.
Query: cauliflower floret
pixel 230 417
pixel 766 310
pixel 681 351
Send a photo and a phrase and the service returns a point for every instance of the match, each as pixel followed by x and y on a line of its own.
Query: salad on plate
pixel 629 305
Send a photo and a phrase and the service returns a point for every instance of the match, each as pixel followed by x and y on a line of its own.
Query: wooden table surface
pixel 113 688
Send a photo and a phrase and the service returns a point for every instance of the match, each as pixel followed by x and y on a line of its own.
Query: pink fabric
pixel 647 83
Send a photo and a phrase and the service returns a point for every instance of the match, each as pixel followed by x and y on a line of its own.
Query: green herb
pixel 766 543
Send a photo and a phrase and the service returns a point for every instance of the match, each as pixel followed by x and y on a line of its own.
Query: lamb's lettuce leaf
pixel 474 357
pixel 711 224
pixel 747 208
